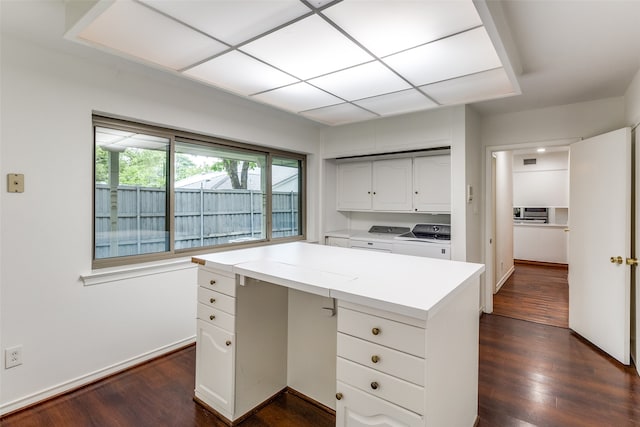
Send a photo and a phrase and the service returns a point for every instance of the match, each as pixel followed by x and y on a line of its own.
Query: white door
pixel 635 340
pixel 392 185
pixel 354 186
pixel 600 228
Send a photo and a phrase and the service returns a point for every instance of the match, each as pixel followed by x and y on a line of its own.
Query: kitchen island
pixel 404 349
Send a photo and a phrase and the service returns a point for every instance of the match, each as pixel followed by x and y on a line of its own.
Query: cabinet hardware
pixel 374 193
pixel 374 385
pixel 375 331
pixel 212 300
pixel 228 343
pixel 375 359
pixel 212 317
pixel 416 192
pixel 632 261
pixel 339 396
pixel 616 260
pixel 212 282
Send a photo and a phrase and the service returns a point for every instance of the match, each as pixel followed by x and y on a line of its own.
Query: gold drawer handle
pixel 212 300
pixel 228 343
pixel 339 396
pixel 375 331
pixel 375 359
pixel 375 385
pixel 212 317
pixel 212 282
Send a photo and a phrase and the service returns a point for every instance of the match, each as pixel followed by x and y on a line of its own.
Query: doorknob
pixel 616 260
pixel 632 261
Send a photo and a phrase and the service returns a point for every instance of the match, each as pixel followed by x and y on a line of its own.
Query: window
pixel 160 193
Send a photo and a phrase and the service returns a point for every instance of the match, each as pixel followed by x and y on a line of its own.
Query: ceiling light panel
pixel 136 30
pixel 386 27
pixel 297 97
pixel 397 103
pixel 339 114
pixel 232 21
pixel 465 53
pixel 476 87
pixel 361 81
pixel 240 73
pixel 308 48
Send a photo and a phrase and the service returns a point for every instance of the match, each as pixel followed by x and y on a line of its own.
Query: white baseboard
pixel 504 278
pixel 89 378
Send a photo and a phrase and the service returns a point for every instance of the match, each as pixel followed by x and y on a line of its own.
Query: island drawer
pixel 216 317
pixel 387 387
pixel 217 300
pixel 355 405
pixel 217 282
pixel 383 359
pixel 400 336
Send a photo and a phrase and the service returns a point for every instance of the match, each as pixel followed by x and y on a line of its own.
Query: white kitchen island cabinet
pixel 406 334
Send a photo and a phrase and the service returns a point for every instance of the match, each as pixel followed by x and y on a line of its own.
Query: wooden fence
pixel 202 218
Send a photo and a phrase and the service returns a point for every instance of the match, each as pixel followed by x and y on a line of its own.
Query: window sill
pixel 106 275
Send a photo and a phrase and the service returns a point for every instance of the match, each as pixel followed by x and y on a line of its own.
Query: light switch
pixel 15 183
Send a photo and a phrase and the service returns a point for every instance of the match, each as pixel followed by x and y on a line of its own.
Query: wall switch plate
pixel 12 356
pixel 15 183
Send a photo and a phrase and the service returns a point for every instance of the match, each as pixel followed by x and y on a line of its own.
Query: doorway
pixel 504 242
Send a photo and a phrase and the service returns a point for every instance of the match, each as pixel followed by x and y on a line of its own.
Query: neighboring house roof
pixel 284 179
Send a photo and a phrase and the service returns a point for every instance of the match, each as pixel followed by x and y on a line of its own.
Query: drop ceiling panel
pixel 297 97
pixel 240 73
pixel 475 87
pixel 339 114
pixel 465 53
pixel 308 48
pixel 386 27
pixel 361 81
pixel 232 21
pixel 397 103
pixel 136 30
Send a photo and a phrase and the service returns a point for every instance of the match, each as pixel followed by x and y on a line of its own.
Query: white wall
pixel 71 333
pixel 632 102
pixel 504 218
pixel 553 123
pixel 544 184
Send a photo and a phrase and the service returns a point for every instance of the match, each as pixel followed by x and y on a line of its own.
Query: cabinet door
pixel 356 408
pixel 354 186
pixel 215 368
pixel 432 184
pixel 392 185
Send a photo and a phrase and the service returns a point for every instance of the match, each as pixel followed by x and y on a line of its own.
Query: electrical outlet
pixel 12 356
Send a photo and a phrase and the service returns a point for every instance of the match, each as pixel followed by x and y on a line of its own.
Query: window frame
pixel 176 136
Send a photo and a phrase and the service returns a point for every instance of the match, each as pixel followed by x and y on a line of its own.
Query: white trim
pixel 91 377
pixel 505 278
pixel 97 277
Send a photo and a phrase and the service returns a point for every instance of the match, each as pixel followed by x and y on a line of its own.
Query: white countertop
pixel 364 235
pixel 409 285
pixel 526 224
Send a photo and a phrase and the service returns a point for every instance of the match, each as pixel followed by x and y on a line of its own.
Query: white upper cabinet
pixel 354 186
pixel 432 184
pixel 422 184
pixel 392 183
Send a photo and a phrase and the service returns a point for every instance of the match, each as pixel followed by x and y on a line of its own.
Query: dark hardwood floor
pixel 530 374
pixel 535 293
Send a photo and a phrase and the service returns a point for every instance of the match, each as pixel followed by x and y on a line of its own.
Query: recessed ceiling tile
pixel 240 73
pixel 297 97
pixel 465 53
pixel 136 30
pixel 476 87
pixel 308 48
pixel 361 81
pixel 339 114
pixel 232 21
pixel 386 27
pixel 397 103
